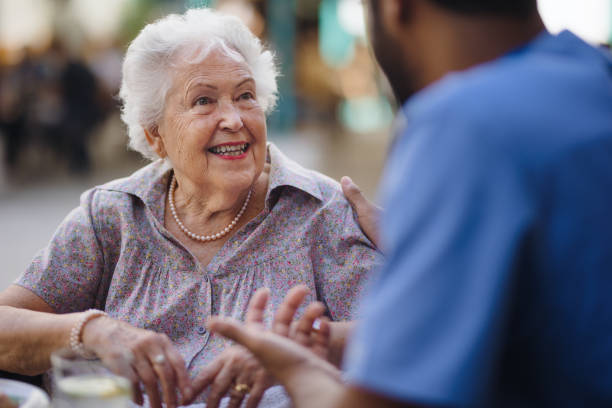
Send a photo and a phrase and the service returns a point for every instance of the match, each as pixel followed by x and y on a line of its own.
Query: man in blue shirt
pixel 497 226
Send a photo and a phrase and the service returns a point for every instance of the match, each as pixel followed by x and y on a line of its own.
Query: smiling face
pixel 213 130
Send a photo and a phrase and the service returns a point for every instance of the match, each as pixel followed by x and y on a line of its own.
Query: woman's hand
pixel 235 373
pixel 143 356
pixel 312 330
pixel 296 363
pixel 305 376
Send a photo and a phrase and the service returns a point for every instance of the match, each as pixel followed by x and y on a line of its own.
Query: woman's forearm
pixel 27 338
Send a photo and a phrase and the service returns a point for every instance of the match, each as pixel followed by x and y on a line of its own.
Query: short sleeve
pixel 457 211
pixel 66 274
pixel 345 261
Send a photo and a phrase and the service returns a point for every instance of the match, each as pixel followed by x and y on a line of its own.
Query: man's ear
pixel 155 141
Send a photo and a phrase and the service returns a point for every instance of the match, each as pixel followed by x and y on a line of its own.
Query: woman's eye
pixel 203 100
pixel 246 96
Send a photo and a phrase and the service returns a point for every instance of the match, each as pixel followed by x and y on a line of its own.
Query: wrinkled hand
pixel 282 356
pixel 143 356
pixel 235 365
pixel 312 330
pixel 368 214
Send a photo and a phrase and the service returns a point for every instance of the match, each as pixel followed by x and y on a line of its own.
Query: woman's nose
pixel 231 120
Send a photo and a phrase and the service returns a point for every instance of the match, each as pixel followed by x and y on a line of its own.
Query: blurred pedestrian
pixel 16 91
pixel 81 113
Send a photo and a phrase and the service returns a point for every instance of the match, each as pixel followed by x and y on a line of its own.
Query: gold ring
pixel 242 388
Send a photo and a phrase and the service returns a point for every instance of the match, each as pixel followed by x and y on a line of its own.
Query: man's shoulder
pixel 534 76
pixel 540 101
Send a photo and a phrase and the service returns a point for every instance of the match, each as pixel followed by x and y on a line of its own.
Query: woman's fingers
pixel 137 393
pixel 148 378
pixel 153 360
pixel 260 385
pixel 238 391
pixel 204 378
pixel 165 374
pixel 235 378
pixel 286 311
pixel 180 371
pixel 168 366
pixel 321 337
pixel 303 330
pixel 121 364
pixel 221 385
pixel 257 306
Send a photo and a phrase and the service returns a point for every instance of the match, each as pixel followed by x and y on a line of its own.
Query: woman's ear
pixel 155 141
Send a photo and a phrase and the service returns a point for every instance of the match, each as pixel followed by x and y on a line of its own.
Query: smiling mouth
pixel 231 150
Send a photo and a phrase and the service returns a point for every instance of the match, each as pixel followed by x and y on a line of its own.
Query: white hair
pixel 151 55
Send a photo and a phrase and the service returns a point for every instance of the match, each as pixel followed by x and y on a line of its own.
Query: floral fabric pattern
pixel 113 253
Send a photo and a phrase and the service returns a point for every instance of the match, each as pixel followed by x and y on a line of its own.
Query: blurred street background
pixel 60 70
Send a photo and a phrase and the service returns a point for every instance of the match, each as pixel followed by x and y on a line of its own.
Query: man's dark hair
pixel 502 8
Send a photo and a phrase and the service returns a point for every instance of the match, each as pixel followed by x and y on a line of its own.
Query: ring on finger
pixel 242 388
pixel 159 359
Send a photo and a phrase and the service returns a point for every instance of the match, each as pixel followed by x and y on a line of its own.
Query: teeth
pixel 230 150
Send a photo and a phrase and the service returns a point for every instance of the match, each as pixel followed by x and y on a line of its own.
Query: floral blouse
pixel 113 253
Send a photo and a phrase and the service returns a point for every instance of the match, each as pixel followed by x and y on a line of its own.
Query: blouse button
pixel 201 330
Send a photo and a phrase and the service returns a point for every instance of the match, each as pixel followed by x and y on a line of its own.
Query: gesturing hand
pixel 312 330
pixel 289 361
pixel 237 373
pixel 143 356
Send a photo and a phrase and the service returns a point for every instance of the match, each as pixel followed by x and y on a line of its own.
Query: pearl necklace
pixel 203 238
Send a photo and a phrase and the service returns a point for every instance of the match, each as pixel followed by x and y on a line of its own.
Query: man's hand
pixel 368 214
pixel 310 380
pixel 280 355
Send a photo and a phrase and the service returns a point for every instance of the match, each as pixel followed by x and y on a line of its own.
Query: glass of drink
pixel 79 382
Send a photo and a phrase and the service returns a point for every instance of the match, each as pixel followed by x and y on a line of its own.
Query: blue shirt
pixel 498 193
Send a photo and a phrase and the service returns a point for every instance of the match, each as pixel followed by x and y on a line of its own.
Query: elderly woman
pixel 133 274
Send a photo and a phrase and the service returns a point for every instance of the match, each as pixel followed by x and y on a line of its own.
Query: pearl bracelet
pixel 77 330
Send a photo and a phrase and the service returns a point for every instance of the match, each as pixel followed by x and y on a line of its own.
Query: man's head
pixel 417 41
pixel 500 8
